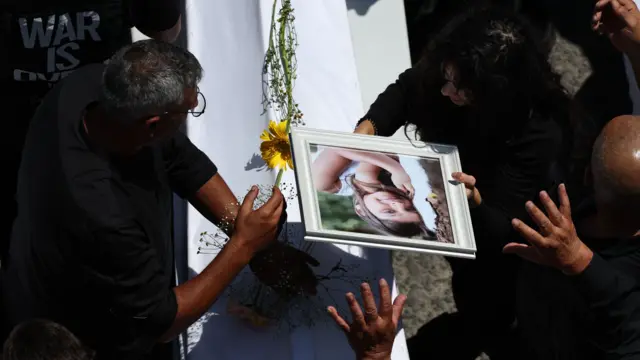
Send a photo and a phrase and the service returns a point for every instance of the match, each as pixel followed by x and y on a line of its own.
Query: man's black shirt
pixel 591 316
pixel 91 247
pixel 41 42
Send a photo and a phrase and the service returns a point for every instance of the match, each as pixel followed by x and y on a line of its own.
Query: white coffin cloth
pixel 229 38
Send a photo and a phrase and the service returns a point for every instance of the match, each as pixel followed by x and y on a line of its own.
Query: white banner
pixel 230 38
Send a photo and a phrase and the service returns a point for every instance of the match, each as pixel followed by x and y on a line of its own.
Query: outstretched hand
pixel 620 21
pixel 556 244
pixel 371 334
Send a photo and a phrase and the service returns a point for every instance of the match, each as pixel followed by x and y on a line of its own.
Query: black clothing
pixel 92 247
pixel 43 41
pixel 511 161
pixel 591 316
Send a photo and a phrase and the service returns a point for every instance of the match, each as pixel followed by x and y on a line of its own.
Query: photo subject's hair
pixel 148 78
pixel 387 227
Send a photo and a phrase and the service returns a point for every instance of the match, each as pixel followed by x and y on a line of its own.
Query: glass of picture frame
pixel 379 192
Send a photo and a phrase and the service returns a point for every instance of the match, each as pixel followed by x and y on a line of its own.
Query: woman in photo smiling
pixel 381 189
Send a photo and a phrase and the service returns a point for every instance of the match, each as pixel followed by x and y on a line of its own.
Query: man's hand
pixel 371 334
pixel 620 21
pixel 256 229
pixel 473 195
pixel 557 243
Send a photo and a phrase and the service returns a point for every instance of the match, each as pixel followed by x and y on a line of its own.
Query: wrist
pixel 476 199
pixel 365 127
pixel 240 248
pixel 581 262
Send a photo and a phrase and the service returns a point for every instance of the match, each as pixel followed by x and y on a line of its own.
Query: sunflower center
pixel 282 147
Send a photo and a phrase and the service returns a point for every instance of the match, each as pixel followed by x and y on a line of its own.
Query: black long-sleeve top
pixel 510 159
pixel 591 316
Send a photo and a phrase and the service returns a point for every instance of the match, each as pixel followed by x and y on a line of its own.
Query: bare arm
pixel 198 294
pixel 255 229
pixel 332 162
pixel 365 128
pixel 217 203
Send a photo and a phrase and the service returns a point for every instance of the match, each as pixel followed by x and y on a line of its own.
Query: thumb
pixel 249 199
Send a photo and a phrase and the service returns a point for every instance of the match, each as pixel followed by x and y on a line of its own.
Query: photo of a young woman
pixel 382 191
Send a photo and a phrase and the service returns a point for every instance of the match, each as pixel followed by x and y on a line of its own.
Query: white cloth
pixel 229 38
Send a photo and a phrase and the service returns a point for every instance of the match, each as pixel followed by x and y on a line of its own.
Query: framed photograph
pixel 378 192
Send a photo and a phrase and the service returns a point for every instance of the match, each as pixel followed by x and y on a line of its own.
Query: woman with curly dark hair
pixel 485 85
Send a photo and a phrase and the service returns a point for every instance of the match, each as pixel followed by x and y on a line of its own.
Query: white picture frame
pixel 304 141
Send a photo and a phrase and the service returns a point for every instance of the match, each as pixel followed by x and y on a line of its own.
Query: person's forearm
pixel 216 202
pixel 379 160
pixel 326 169
pixel 197 295
pixel 367 172
pixel 365 128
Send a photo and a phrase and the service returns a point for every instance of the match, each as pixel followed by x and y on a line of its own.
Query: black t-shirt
pixel 91 247
pixel 591 316
pixel 41 42
pixel 45 40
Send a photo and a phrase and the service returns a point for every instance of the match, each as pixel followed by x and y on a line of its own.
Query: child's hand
pixel 402 181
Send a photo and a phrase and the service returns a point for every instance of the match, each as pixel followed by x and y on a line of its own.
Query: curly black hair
pixel 502 62
pixel 500 59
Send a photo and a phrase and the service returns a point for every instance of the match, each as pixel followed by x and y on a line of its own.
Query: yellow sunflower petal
pixel 280 130
pixel 275 149
pixel 265 136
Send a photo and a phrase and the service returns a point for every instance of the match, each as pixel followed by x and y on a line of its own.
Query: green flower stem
pixel 286 67
pixel 279 177
pixel 284 57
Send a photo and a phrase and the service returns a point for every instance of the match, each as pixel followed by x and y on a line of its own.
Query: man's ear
pixel 152 123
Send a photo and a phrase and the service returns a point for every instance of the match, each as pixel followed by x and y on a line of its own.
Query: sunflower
pixel 275 148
